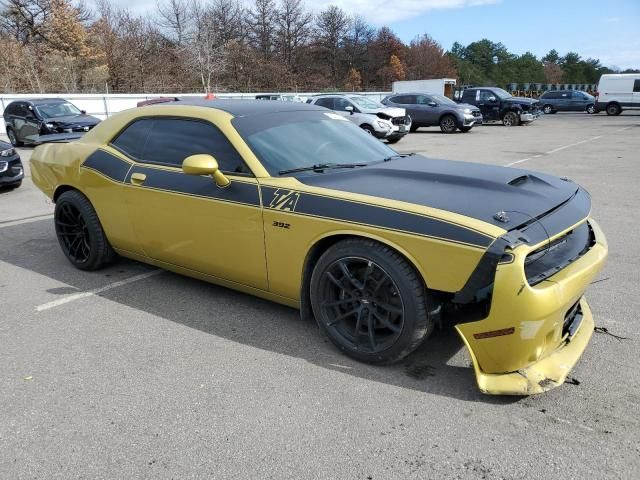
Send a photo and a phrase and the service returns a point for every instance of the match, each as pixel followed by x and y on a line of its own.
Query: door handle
pixel 138 178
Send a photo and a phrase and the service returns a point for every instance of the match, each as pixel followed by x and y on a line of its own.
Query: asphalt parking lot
pixel 132 372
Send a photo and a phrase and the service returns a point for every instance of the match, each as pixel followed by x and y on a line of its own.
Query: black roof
pixel 243 108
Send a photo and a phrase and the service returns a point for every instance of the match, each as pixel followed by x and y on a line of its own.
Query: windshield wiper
pixel 398 155
pixel 319 167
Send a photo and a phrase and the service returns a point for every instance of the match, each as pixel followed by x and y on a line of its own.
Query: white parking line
pixel 95 291
pixel 36 218
pixel 551 152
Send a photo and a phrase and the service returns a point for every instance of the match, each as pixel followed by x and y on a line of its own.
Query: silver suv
pixel 383 122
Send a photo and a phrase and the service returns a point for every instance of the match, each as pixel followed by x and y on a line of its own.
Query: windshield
pixel 501 93
pixel 441 99
pixel 283 141
pixel 58 109
pixel 365 102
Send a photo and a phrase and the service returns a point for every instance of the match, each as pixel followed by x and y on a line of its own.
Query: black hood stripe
pixel 371 215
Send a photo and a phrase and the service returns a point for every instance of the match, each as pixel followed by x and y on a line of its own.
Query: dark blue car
pixel 567 101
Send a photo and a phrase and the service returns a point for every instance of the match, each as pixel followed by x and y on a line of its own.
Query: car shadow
pixel 242 318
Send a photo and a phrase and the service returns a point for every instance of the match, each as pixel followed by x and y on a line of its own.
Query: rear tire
pixel 80 233
pixel 369 301
pixel 448 124
pixel 511 119
pixel 13 138
pixel 613 109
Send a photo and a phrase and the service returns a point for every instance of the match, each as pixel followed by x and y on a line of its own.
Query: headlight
pixel 467 110
pixel 49 125
pixel 8 153
pixel 383 125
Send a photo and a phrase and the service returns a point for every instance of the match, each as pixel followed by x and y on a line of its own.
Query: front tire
pixel 369 301
pixel 511 119
pixel 465 129
pixel 13 138
pixel 448 124
pixel 591 109
pixel 613 109
pixel 369 129
pixel 547 109
pixel 80 233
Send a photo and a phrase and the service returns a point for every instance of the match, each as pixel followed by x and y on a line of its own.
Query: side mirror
pixel 492 99
pixel 83 112
pixel 203 164
pixel 349 109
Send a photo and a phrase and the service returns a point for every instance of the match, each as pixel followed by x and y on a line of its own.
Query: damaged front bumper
pixel 534 335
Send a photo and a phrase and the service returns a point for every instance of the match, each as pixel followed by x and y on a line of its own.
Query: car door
pixel 564 102
pixel 32 122
pixel 488 104
pixel 430 110
pixel 187 220
pixel 636 93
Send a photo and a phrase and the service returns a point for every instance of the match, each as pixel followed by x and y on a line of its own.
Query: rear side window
pixel 168 141
pixel 404 99
pixel 132 139
pixel 636 85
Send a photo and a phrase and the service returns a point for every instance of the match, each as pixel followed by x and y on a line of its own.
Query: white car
pixel 617 92
pixel 389 123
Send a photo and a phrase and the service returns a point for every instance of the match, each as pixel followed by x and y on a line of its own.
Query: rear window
pixel 636 85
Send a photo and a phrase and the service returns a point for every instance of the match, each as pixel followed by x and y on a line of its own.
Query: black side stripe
pixel 338 209
pixel 108 165
pixel 178 182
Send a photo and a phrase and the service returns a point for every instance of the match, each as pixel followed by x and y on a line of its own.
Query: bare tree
pixel 261 27
pixel 175 17
pixel 333 25
pixel 293 31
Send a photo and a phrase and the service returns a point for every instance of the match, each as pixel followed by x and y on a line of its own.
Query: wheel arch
pixel 60 189
pixel 327 240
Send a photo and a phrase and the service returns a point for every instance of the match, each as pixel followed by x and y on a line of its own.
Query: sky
pixel 604 29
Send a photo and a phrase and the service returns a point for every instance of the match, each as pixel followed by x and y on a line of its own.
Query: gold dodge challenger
pixel 295 204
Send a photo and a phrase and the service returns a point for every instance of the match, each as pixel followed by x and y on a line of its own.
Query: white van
pixel 617 92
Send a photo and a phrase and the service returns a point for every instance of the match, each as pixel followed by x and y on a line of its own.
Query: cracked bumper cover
pixel 537 355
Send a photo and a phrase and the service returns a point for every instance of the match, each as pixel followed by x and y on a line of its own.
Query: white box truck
pixel 617 92
pixel 442 86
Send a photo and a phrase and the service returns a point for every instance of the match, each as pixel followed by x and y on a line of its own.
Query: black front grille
pixel 553 257
pixel 476 113
pixel 400 120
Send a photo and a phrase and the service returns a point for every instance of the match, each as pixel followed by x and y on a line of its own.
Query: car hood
pixel 475 190
pixel 387 112
pixel 85 120
pixel 464 106
pixel 521 100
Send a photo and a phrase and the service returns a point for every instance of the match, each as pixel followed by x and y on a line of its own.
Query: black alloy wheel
pixel 73 232
pixel 448 124
pixel 80 233
pixel 369 301
pixel 547 109
pixel 361 304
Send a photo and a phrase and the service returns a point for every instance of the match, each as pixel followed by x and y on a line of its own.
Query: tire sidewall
pixel 411 331
pixel 96 234
pixel 513 123
pixel 446 129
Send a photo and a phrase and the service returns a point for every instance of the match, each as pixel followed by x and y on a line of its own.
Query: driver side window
pixel 341 105
pixel 423 100
pixel 486 95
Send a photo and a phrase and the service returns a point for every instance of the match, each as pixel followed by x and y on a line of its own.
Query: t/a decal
pixel 285 200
